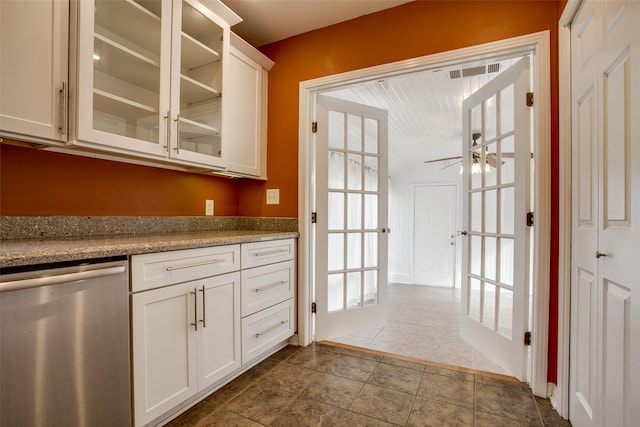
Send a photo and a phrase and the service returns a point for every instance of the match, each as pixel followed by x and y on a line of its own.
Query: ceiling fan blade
pixel 443 159
pixel 459 162
pixel 491 160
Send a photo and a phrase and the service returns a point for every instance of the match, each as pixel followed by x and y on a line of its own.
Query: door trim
pixel 536 43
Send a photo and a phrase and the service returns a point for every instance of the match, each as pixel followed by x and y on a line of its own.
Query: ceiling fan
pixel 491 159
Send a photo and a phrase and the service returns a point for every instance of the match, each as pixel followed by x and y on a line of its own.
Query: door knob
pixel 462 232
pixel 386 230
pixel 601 254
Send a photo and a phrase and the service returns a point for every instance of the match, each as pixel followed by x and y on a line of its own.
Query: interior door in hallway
pixel 434 254
pixel 495 247
pixel 351 225
pixel 604 386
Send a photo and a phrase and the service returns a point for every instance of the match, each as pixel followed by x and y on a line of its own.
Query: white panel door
pixel 351 207
pixel 495 261
pixel 434 222
pixel 605 310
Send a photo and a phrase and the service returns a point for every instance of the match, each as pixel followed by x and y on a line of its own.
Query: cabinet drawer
pixel 265 286
pixel 263 253
pixel 150 271
pixel 266 328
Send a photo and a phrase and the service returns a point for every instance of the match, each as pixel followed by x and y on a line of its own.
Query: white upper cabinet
pixel 150 78
pixel 245 110
pixel 34 70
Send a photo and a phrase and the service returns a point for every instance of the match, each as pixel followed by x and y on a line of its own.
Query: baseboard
pixel 552 395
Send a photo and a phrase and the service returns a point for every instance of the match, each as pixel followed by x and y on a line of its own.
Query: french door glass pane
pixel 371 173
pixel 354 178
pixel 371 136
pixel 489 306
pixel 490 258
pixel 370 250
pixel 490 119
pixel 336 251
pixel 336 130
pixel 354 132
pixel 475 255
pixel 335 176
pixel 354 281
pixel 354 211
pixel 490 165
pixel 506 260
pixel 490 211
pixel 473 309
pixel 505 322
pixel 336 207
pixel 370 211
pixel 476 211
pixel 507 206
pixel 370 287
pixel 507 172
pixel 354 250
pixel 335 292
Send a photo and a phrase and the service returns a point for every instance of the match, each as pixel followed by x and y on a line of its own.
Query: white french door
pixel 496 199
pixel 351 211
pixel 604 387
pixel 434 221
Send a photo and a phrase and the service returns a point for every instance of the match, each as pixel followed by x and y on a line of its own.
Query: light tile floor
pixel 326 385
pixel 423 323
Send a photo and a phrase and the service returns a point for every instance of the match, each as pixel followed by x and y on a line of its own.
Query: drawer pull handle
pixel 273 285
pixel 271 329
pixel 195 264
pixel 276 251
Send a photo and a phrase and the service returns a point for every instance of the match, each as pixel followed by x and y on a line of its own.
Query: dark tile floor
pixel 326 385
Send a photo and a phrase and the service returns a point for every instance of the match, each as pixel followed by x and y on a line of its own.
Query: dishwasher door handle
pixel 61 278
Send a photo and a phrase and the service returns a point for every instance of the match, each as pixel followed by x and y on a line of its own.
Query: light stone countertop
pixel 40 251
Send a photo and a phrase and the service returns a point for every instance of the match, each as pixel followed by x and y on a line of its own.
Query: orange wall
pixel 35 182
pixel 411 30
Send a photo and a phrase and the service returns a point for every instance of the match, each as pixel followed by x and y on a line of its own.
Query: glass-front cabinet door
pixel 150 79
pixel 196 78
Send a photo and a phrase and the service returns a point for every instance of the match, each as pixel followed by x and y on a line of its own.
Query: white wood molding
pixel 537 43
pixel 561 398
pixel 542 210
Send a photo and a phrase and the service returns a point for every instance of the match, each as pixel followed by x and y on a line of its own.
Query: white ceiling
pixel 267 21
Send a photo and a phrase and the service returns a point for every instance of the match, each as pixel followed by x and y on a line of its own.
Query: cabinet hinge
pixel 527 338
pixel 530 219
pixel 314 218
pixel 529 99
pixel 313 307
pixel 314 127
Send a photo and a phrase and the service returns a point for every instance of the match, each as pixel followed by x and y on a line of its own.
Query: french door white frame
pixel 536 43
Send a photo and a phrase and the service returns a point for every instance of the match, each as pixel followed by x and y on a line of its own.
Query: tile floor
pixel 423 322
pixel 329 385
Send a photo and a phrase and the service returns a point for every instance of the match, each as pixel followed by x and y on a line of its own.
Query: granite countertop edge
pixel 16 253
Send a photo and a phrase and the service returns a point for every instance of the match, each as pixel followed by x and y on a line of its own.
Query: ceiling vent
pixel 474 71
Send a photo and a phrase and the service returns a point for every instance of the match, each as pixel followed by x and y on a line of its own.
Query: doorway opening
pixel 446 171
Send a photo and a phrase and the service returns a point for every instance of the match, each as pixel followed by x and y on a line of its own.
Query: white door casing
pixel 604 381
pixel 351 206
pixel 495 260
pixel 435 212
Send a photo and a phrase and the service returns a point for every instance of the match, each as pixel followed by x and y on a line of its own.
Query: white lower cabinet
pixel 186 337
pixel 198 320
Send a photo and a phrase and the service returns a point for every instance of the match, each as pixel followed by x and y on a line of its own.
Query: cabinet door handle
pixel 276 251
pixel 195 308
pixel 601 254
pixel 273 285
pixel 168 119
pixel 62 125
pixel 177 120
pixel 194 264
pixel 204 308
pixel 271 329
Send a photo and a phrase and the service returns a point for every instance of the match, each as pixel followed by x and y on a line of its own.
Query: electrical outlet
pixel 273 196
pixel 208 207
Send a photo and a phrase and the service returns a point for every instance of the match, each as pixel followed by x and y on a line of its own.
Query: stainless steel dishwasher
pixel 64 345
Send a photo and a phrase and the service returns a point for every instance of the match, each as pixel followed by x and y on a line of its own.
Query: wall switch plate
pixel 208 207
pixel 273 196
